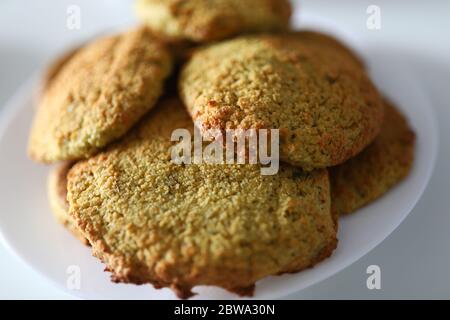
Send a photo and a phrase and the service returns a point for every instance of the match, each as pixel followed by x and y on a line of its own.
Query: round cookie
pixel 96 96
pixel 315 92
pixel 378 168
pixel 57 195
pixel 153 221
pixel 208 20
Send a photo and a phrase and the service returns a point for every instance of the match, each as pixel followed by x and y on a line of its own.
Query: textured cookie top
pixel 207 20
pixel 151 220
pixel 98 95
pixel 374 171
pixel 307 85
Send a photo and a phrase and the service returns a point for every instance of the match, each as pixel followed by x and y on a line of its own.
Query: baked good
pixel 315 92
pixel 373 172
pixel 57 196
pixel 153 221
pixel 103 90
pixel 209 20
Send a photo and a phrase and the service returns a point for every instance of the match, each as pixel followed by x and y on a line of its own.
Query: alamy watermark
pixel 73 21
pixel 73 281
pixel 373 21
pixel 374 280
pixel 231 146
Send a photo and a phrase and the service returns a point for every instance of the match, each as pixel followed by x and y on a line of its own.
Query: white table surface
pixel 414 260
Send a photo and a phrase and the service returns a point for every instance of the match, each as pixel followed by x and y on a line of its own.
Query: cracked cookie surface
pixel 97 95
pixel 316 92
pixel 152 221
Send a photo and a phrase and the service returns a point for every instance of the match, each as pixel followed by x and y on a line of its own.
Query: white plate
pixel 30 231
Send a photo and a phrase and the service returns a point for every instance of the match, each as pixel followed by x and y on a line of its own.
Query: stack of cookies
pixel 108 109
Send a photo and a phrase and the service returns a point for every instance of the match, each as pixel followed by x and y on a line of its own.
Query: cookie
pixel 153 221
pixel 98 95
pixel 208 20
pixel 57 195
pixel 369 175
pixel 316 93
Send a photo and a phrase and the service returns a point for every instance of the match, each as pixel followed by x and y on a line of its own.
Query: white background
pixel 414 260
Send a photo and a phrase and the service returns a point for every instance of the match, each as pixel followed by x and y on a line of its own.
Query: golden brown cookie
pixel 208 20
pixel 96 96
pixel 378 168
pixel 315 92
pixel 57 195
pixel 153 221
